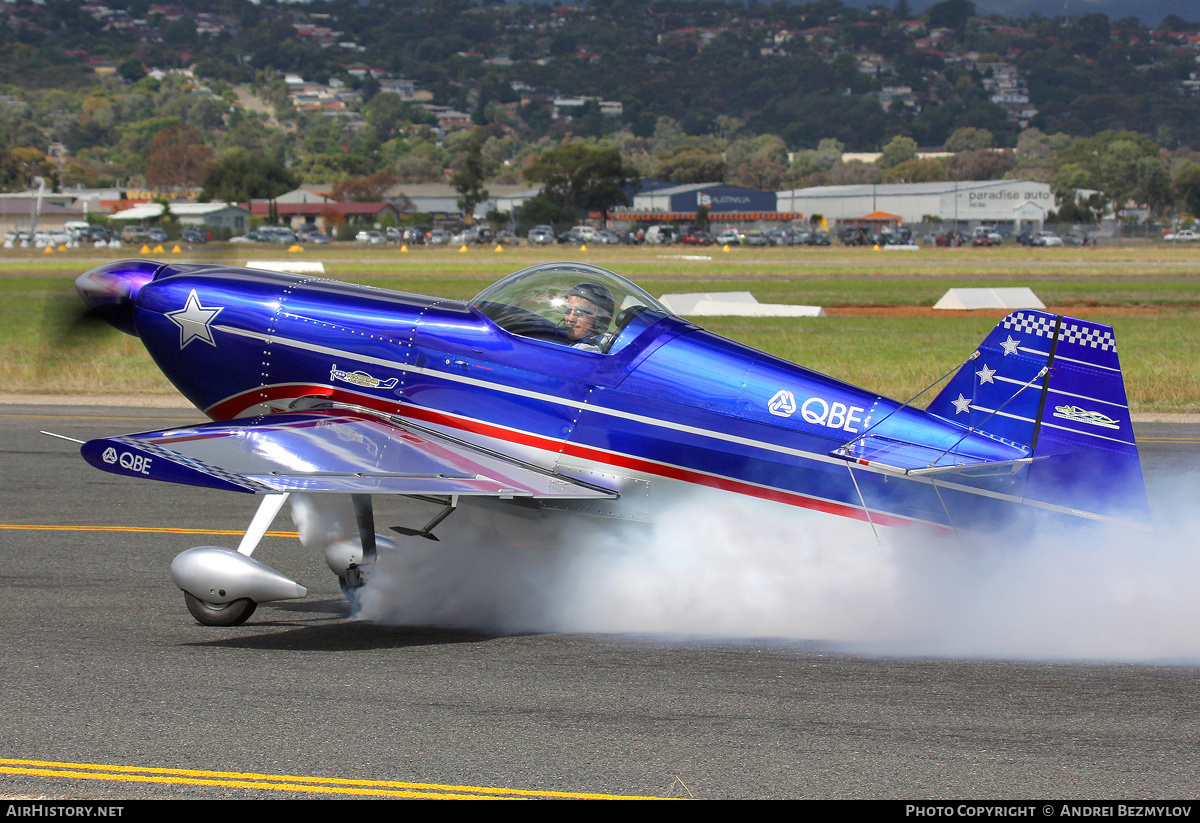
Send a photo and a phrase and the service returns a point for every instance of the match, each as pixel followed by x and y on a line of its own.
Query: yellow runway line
pixel 155 529
pixel 282 782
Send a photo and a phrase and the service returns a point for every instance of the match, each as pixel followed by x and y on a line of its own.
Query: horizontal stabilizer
pixel 915 459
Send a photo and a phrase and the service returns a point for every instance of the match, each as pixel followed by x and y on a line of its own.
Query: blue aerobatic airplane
pixel 567 389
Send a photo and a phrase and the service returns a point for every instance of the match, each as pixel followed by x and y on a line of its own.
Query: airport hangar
pixel 1014 205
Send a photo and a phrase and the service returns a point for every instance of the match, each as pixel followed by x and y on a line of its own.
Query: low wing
pixel 334 451
pixel 915 459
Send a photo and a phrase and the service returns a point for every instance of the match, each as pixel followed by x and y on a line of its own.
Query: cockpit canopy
pixel 533 302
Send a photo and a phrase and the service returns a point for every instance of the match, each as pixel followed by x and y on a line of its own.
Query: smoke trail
pixel 754 569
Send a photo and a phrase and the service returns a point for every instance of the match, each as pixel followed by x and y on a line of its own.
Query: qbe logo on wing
pixel 130 462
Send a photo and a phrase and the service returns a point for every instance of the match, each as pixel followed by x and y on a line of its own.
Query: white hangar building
pixel 1011 204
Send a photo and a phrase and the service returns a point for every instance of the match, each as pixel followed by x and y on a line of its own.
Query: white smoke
pixel 761 570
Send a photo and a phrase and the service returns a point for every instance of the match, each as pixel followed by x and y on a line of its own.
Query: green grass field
pixel 1150 294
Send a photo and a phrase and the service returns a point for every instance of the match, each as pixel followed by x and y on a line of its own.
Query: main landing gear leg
pixel 356 575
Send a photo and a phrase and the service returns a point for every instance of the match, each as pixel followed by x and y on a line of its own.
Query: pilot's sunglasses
pixel 579 311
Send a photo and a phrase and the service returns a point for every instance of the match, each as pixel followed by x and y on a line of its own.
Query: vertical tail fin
pixel 1053 384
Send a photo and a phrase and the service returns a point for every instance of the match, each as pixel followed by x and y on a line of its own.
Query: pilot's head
pixel 589 311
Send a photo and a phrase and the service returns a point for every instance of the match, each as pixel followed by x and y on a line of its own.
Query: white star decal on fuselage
pixel 985 375
pixel 961 405
pixel 194 321
pixel 1010 346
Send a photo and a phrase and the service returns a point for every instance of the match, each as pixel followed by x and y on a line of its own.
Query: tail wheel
pixel 220 614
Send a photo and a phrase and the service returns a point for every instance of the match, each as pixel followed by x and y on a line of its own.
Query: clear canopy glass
pixel 533 302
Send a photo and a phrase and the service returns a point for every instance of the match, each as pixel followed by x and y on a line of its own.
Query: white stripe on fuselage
pixel 545 398
pixel 713 435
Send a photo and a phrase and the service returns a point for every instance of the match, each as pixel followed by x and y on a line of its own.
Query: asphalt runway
pixel 112 691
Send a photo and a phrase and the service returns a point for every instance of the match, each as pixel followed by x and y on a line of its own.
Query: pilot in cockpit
pixel 589 314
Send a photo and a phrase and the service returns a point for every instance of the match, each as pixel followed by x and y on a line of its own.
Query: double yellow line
pixel 283 782
pixel 156 529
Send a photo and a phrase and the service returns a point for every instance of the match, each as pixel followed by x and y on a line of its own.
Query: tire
pixel 220 614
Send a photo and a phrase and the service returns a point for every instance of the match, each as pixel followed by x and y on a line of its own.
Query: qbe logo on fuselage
pixel 110 455
pixel 783 404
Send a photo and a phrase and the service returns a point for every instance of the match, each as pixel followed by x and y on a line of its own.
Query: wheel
pixel 220 614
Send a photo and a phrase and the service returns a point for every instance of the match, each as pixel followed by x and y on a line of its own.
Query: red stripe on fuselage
pixel 230 407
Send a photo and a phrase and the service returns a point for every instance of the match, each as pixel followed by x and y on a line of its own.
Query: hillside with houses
pixel 235 100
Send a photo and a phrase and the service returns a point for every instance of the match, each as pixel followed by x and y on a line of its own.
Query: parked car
pixel 248 237
pixel 1182 235
pixel 89 234
pixel 728 237
pixel 194 235
pixel 276 234
pixel 573 237
pixel 662 234
pixel 1045 238
pixel 897 236
pixel 315 236
pixel 370 237
pixel 439 237
pixel 507 238
pixel 818 238
pixel 754 237
pixel 134 234
pixel 473 234
pixel 56 237
pixel 157 235
pixel 697 237
pixel 541 235
pixel 856 236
